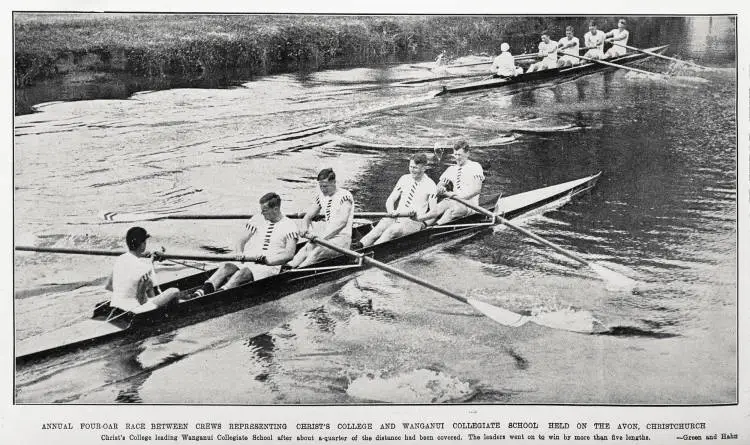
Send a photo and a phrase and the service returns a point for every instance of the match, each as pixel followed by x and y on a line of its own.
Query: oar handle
pixel 399 273
pixel 532 235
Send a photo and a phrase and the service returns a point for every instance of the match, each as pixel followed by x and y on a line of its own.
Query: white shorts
pixel 259 271
pixel 616 51
pixel 570 59
pixel 594 53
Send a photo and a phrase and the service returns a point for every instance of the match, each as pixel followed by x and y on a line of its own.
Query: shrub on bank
pixel 152 45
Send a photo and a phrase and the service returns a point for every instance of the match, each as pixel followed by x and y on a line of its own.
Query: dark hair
pixel 136 236
pixel 326 174
pixel 419 159
pixel 461 145
pixel 569 28
pixel 545 33
pixel 592 23
pixel 272 199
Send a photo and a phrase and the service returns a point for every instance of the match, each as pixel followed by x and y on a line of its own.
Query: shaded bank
pixel 78 54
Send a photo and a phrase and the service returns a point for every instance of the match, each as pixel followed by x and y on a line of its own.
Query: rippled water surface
pixel 663 213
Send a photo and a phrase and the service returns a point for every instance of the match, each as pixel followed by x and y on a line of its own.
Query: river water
pixel 664 213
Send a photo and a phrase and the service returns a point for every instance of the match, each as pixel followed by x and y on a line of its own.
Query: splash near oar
pixel 614 280
pixel 498 314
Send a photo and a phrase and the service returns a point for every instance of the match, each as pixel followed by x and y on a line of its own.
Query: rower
pixel 440 59
pixel 504 65
pixel 466 178
pixel 547 50
pixel 133 277
pixel 337 205
pixel 570 45
pixel 620 36
pixel 415 193
pixel 268 241
pixel 594 40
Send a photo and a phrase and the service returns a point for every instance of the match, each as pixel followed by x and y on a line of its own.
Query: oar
pixel 498 314
pixel 115 217
pixel 518 57
pixel 469 64
pixel 166 256
pixel 616 280
pixel 603 62
pixel 651 53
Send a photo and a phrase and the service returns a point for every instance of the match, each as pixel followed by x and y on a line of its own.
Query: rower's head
pixel 136 239
pixel 621 24
pixel 592 27
pixel 569 32
pixel 270 206
pixel 545 36
pixel 327 181
pixel 461 152
pixel 418 165
pixel 504 47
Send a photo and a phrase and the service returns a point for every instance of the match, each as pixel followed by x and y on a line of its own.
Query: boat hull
pixel 165 319
pixel 574 71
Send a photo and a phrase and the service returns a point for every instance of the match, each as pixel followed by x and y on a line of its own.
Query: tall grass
pixel 47 45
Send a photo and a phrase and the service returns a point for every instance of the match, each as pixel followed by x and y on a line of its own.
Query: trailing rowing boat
pixel 577 70
pixel 109 323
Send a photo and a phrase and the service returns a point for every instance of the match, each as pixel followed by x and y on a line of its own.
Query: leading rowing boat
pixel 577 70
pixel 107 323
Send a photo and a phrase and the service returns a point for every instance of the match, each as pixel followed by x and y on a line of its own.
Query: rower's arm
pixel 390 203
pixel 240 246
pixel 310 215
pixel 286 255
pixel 108 285
pixel 622 36
pixel 341 218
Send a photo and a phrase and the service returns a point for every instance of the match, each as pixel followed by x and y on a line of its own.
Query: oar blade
pixel 614 280
pixel 498 314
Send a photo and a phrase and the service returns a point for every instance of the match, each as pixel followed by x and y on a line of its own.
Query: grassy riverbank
pixel 152 45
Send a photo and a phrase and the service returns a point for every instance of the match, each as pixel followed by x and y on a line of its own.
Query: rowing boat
pixel 108 323
pixel 577 70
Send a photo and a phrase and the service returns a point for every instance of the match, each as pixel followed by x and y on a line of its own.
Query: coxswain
pixel 617 37
pixel 268 241
pixel 414 193
pixel 133 277
pixel 504 65
pixel 594 41
pixel 548 52
pixel 337 206
pixel 569 46
pixel 465 179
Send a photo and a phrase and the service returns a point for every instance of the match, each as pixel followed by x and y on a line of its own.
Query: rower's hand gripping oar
pixel 613 279
pixel 498 314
